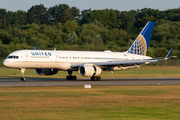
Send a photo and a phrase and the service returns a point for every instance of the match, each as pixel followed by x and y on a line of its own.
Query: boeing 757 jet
pixel 87 63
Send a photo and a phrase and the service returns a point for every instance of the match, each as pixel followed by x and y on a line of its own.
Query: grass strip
pixel 100 102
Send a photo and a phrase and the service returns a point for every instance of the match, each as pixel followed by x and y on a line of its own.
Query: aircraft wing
pixel 116 63
pixel 124 62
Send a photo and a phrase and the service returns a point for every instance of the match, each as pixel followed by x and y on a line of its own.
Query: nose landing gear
pixel 22 74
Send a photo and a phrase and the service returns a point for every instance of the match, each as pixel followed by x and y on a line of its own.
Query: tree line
pixel 67 28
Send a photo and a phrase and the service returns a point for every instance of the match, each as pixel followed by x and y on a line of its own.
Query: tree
pixel 98 40
pixel 75 13
pixel 83 16
pixel 72 39
pixel 38 14
pixel 2 13
pixel 144 15
pixel 20 18
pixel 5 37
pixel 1 23
pixel 60 13
pixel 151 52
pixel 109 18
pixel 127 21
pixel 70 26
pixel 4 24
pixel 88 31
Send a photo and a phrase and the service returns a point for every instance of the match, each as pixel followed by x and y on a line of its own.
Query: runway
pixel 81 82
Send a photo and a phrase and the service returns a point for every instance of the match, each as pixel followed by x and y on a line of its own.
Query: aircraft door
pixel 26 58
pixel 57 59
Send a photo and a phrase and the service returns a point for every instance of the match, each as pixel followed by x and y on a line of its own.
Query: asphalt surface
pixel 13 82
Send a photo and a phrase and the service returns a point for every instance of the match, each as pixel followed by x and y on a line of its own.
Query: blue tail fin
pixel 141 43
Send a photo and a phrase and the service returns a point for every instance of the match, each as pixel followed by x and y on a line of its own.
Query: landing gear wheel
pixel 67 78
pixel 23 79
pixel 99 78
pixel 74 77
pixel 71 77
pixel 92 78
pixel 95 78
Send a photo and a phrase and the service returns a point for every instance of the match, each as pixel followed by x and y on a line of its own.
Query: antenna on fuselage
pixel 54 49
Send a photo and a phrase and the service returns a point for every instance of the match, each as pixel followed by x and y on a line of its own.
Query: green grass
pixel 45 94
pixel 139 92
pixel 100 102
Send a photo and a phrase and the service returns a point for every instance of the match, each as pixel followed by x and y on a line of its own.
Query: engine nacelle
pixel 44 72
pixel 89 70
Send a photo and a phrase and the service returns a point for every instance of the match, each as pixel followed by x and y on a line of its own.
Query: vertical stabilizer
pixel 141 43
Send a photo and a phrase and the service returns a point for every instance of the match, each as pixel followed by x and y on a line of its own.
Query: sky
pixel 121 5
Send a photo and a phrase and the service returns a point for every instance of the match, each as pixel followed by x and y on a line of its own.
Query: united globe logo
pixel 139 46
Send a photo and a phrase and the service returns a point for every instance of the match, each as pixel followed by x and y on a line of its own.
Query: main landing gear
pixel 70 76
pixel 96 78
pixel 22 74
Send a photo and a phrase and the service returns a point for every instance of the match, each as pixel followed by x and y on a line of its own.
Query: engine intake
pixel 45 72
pixel 89 70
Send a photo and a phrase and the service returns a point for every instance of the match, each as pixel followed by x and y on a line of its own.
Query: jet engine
pixel 45 72
pixel 89 70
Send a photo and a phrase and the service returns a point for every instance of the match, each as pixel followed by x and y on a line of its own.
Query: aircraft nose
pixel 6 63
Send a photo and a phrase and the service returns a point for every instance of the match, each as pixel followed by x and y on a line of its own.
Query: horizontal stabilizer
pixel 169 54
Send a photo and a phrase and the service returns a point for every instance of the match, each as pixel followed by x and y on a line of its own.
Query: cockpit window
pixel 10 57
pixel 13 57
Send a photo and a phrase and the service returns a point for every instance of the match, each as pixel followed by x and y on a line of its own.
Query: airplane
pixel 87 63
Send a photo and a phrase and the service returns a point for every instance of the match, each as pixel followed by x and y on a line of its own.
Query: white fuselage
pixel 62 60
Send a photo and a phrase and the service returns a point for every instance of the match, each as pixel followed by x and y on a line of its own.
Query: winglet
pixel 35 48
pixel 169 54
